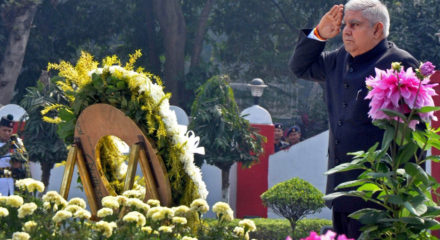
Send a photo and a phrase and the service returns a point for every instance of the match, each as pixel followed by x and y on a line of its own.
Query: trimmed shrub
pixel 279 229
pixel 293 199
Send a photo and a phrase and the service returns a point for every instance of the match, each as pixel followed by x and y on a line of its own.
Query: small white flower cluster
pixel 30 184
pixel 13 201
pixel 26 209
pixel 200 205
pixel 135 217
pixel 223 211
pixel 105 227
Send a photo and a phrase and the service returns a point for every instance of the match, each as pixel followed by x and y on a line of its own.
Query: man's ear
pixel 378 30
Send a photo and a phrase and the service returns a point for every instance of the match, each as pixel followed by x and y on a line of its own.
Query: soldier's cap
pixel 278 125
pixel 295 128
pixel 6 121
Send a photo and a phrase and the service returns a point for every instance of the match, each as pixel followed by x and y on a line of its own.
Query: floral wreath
pixel 141 99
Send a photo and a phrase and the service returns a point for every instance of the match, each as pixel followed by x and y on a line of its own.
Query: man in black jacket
pixel 365 31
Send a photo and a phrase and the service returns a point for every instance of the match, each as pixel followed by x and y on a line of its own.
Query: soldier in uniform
pixel 13 157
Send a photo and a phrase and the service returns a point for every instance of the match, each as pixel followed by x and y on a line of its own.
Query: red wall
pixel 435 167
pixel 252 182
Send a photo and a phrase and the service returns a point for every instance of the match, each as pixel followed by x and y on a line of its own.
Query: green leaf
pixel 433 211
pixel 432 224
pixel 396 199
pixel 349 184
pixel 392 113
pixel 435 158
pixel 406 153
pixel 416 205
pixel 419 137
pixel 428 109
pixel 417 172
pixel 388 137
pixel 412 220
pixel 355 164
pixel 370 187
pixel 334 195
pixel 368 215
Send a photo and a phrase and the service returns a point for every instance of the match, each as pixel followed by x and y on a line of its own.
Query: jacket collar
pixel 377 50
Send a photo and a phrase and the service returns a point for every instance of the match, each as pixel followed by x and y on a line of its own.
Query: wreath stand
pixel 95 122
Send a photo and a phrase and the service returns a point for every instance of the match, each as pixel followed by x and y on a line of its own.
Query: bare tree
pixel 18 17
pixel 173 27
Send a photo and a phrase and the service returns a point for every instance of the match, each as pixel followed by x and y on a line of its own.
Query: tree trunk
pixel 173 27
pixel 201 31
pixel 15 50
pixel 225 185
pixel 153 58
pixel 46 167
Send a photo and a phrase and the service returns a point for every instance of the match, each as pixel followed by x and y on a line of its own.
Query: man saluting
pixel 13 157
pixel 364 33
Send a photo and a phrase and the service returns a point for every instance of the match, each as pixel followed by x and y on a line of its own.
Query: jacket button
pixel 340 123
pixel 336 141
pixel 346 85
pixel 345 105
pixel 350 69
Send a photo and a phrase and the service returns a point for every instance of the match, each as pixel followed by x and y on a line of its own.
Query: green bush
pixel 279 229
pixel 293 199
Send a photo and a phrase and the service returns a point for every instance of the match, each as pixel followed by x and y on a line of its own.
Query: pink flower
pixel 329 235
pixel 312 236
pixel 288 238
pixel 427 68
pixel 399 91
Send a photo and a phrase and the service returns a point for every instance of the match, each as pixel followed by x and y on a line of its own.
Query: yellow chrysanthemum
pixel 181 211
pixel 166 229
pixel 248 225
pixel 147 229
pixel 14 201
pixel 110 202
pixel 104 212
pixel 188 238
pixel 223 211
pixel 78 202
pixel 135 217
pixel 4 212
pixel 105 227
pixel 153 202
pixel 26 209
pixel 82 214
pixel 179 220
pixel 61 216
pixel 200 205
pixel 29 226
pixel 20 236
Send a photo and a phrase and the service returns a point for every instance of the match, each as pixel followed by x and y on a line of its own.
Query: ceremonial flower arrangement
pixel 122 217
pixel 140 96
pixel 393 175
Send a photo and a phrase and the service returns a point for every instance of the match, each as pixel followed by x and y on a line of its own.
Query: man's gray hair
pixel 373 10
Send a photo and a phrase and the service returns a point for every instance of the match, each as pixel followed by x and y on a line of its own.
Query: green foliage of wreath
pixel 141 99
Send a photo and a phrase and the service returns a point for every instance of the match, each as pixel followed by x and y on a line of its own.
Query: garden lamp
pixel 257 87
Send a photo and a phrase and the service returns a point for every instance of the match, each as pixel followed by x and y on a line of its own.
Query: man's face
pixel 293 137
pixel 359 35
pixel 5 133
pixel 278 134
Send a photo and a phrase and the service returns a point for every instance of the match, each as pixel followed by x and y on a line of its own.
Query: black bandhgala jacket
pixel 350 127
